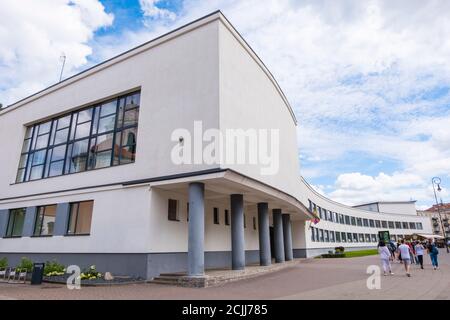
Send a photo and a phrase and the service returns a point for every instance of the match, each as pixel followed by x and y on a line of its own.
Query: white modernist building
pixel 87 172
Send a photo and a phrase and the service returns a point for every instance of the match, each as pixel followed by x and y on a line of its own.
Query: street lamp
pixel 437 181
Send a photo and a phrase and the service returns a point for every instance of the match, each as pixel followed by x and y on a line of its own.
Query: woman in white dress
pixel 385 256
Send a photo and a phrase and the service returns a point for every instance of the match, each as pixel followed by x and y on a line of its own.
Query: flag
pixel 315 220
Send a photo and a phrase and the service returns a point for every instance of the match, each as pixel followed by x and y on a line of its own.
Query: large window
pixel 15 222
pixel 45 221
pixel 80 217
pixel 100 136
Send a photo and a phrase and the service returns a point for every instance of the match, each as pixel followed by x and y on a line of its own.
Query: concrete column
pixel 264 234
pixel 237 232
pixel 4 215
pixel 278 236
pixel 196 239
pixel 287 234
pixel 61 219
pixel 30 219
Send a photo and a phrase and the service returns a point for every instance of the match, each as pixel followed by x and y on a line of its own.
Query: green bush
pixel 53 268
pixel 339 249
pixel 3 263
pixel 25 265
pixel 333 255
pixel 90 274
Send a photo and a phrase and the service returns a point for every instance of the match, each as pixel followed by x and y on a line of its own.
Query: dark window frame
pixel 227 217
pixel 216 215
pixel 69 220
pixel 42 220
pixel 12 212
pixel 33 133
pixel 172 216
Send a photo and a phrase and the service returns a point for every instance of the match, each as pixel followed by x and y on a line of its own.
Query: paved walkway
pixel 311 279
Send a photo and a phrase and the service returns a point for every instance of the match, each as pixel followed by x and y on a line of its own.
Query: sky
pixel 369 81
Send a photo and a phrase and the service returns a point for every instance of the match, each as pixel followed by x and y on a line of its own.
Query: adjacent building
pixel 439 222
pixel 88 172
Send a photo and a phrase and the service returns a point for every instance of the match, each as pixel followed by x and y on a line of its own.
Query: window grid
pixel 38 159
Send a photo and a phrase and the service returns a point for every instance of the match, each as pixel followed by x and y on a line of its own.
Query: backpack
pixel 433 249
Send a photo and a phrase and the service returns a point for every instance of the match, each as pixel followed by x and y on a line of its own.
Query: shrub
pixel 25 265
pixel 3 263
pixel 90 274
pixel 334 255
pixel 339 249
pixel 53 268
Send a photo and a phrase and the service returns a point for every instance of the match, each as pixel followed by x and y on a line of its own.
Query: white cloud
pixel 33 35
pixel 151 10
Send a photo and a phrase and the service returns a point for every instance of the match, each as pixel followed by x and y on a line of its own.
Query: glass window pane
pixel 38 221
pixel 59 153
pixel 36 172
pixel 23 161
pixel 131 117
pixel 39 157
pixel 132 101
pixel 64 122
pixel 26 145
pixel 85 115
pixel 83 225
pixel 129 137
pixel 61 136
pixel 56 168
pixel 72 129
pixel 83 130
pixel 104 142
pixel 72 218
pixel 44 127
pixel 106 124
pixel 69 157
pixel 29 132
pixel 20 175
pixel 102 159
pixel 109 108
pixel 41 142
pixel 79 154
pixel 96 117
pixel 48 220
pixel 15 223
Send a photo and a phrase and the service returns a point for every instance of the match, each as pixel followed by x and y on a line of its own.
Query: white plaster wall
pixel 250 100
pixel 179 83
pixel 172 236
pixel 120 222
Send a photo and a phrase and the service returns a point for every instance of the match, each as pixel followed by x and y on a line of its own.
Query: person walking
pixel 399 257
pixel 412 252
pixel 385 257
pixel 419 248
pixel 433 251
pixel 405 254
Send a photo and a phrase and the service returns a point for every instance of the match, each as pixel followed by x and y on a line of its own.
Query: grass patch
pixel 360 253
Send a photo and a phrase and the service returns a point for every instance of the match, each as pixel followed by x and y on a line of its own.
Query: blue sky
pixel 369 85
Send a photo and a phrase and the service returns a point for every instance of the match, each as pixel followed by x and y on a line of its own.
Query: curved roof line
pixel 217 13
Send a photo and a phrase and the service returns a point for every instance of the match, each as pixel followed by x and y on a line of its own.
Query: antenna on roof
pixel 63 59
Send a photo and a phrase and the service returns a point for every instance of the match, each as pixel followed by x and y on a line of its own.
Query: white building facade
pixel 89 177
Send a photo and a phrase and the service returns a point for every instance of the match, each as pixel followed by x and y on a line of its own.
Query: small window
pixel 173 210
pixel 374 237
pixel 313 234
pixel 355 237
pixel 338 236
pixel 227 218
pixel 353 221
pixel 187 211
pixel 310 205
pixel 216 216
pixel 383 224
pixel 412 225
pixel 377 224
pixel 419 225
pixel 349 237
pixel 365 222
pixel 326 235
pixel 347 220
pixel 15 222
pixel 371 223
pixel 331 236
pixel 398 225
pixel 359 222
pixel 45 221
pixel 391 224
pixel 367 236
pixel 344 236
pixel 321 235
pixel 254 223
pixel 80 217
pixel 341 219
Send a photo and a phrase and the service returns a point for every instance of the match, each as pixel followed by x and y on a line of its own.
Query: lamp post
pixel 437 181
